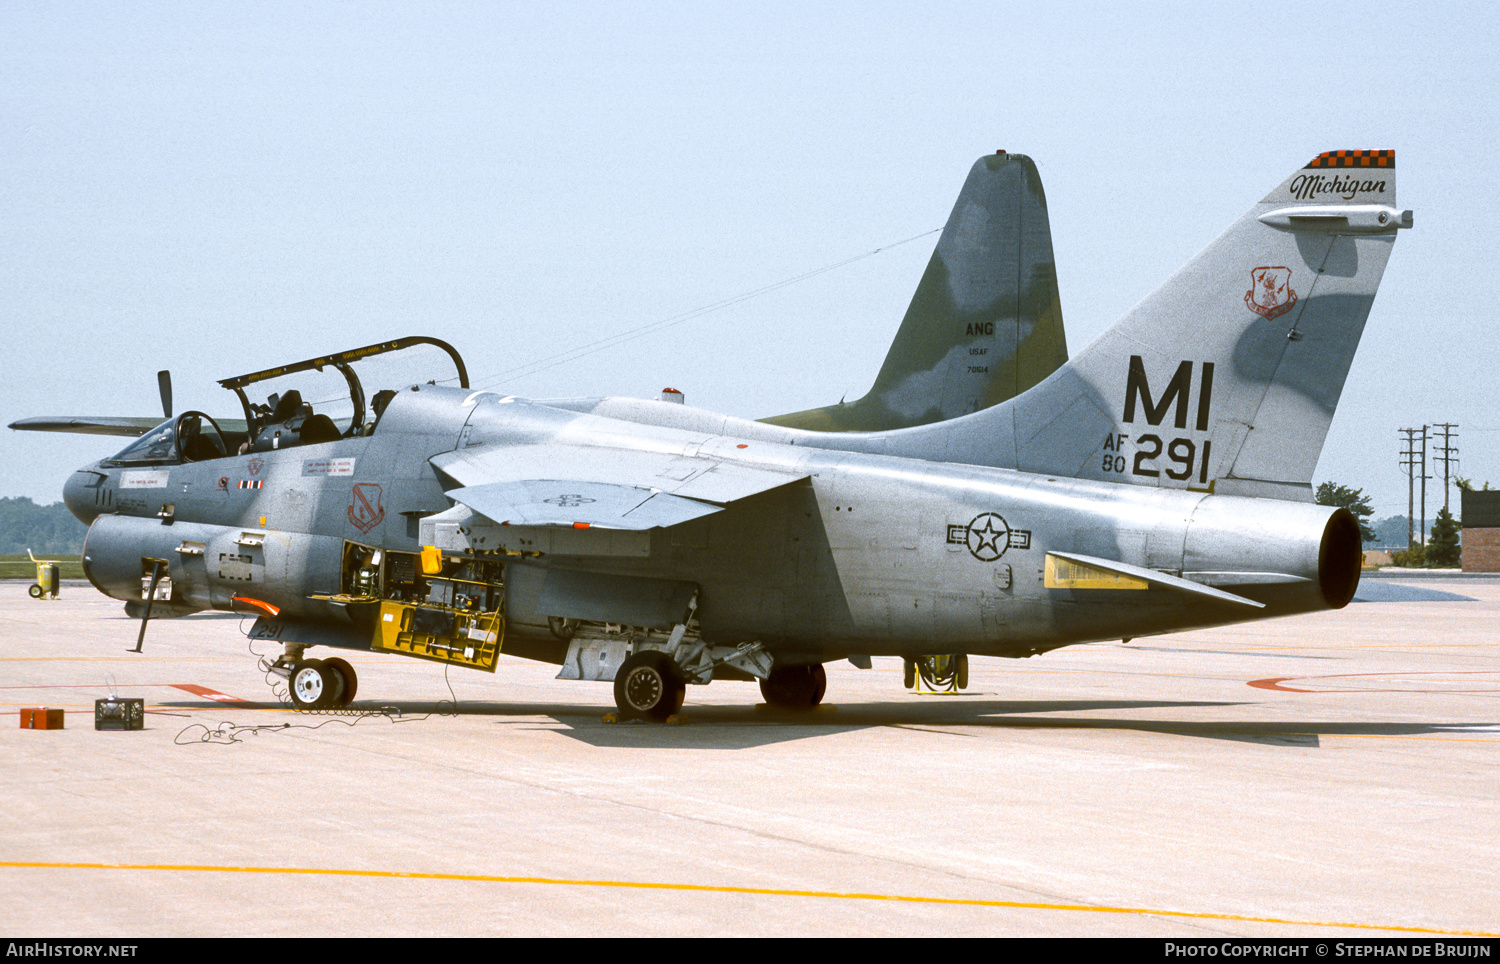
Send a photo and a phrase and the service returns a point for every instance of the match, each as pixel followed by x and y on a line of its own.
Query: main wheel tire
pixel 36 591
pixel 795 687
pixel 648 686
pixel 961 671
pixel 313 686
pixel 347 676
pixel 909 673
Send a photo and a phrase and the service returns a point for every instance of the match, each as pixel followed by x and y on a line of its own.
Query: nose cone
pixel 81 492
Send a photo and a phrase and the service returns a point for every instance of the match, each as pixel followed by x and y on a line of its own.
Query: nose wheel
pixel 348 678
pixel 316 684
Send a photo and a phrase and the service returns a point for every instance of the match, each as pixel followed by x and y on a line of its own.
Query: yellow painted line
pixel 1356 647
pixel 759 891
pixel 1084 723
pixel 1384 736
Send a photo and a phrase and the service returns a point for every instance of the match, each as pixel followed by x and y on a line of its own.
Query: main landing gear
pixel 795 687
pixel 319 684
pixel 649 686
pixel 937 674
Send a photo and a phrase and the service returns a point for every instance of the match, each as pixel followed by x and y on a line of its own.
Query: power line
pixel 552 361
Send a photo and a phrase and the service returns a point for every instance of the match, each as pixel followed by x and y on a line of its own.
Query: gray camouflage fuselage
pixel 1158 481
pixel 855 553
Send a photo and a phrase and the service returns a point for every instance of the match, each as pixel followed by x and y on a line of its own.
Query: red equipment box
pixel 41 718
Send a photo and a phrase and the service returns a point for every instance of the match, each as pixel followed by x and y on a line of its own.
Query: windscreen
pixel 157 445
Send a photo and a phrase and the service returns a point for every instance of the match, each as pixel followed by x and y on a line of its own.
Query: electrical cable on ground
pixel 228 732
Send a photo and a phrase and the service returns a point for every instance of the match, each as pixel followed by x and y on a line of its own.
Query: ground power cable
pixel 228 732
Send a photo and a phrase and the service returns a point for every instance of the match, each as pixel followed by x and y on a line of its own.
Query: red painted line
pixel 1274 683
pixel 209 694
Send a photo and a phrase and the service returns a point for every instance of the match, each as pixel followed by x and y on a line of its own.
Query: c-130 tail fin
pixel 985 323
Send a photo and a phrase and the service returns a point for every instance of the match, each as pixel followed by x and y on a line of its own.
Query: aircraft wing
pixel 89 425
pixel 122 425
pixel 580 486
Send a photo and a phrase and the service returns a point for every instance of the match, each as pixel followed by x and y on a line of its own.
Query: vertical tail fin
pixel 1226 377
pixel 985 323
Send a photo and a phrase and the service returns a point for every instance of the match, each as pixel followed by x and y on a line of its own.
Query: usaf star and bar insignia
pixel 988 536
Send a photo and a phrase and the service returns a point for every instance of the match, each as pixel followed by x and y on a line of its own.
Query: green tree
pixel 1355 500
pixel 1442 541
pixel 44 529
pixel 1412 557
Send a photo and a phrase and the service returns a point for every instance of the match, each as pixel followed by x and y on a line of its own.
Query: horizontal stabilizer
pixel 578 504
pixel 690 477
pixel 1206 578
pixel 1150 576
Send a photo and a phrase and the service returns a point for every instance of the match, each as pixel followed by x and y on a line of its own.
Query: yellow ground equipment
pixel 938 674
pixel 441 633
pixel 48 577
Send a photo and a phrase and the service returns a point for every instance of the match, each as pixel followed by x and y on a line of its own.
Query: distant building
pixel 1480 515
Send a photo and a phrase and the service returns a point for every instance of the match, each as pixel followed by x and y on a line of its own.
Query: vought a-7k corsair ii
pixel 1157 481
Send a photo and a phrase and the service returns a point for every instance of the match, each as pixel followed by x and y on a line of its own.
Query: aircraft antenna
pixel 561 358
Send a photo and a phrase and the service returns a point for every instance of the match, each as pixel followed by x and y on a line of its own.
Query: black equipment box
pixel 118 714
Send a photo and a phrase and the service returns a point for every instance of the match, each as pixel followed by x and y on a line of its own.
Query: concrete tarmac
pixel 1317 776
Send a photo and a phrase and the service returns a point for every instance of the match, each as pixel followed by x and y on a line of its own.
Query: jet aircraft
pixel 1158 481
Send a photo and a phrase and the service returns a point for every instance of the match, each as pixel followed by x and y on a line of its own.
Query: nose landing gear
pixel 316 684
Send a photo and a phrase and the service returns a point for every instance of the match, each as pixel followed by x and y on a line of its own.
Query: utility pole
pixel 1425 477
pixel 1409 461
pixel 1448 454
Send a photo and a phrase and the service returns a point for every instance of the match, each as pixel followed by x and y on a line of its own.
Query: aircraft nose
pixel 80 495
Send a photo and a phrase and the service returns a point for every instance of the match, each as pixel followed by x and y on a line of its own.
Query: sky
pixel 216 188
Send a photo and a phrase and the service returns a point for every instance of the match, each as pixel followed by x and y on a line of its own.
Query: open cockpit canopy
pixel 348 389
pixel 319 399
